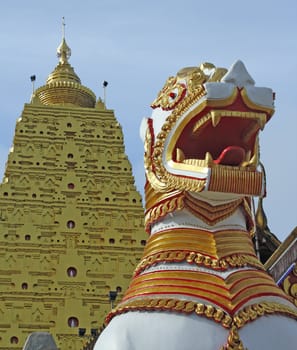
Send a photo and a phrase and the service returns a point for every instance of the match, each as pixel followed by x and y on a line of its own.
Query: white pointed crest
pixel 238 75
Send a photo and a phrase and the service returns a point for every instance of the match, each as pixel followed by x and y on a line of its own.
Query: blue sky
pixel 136 45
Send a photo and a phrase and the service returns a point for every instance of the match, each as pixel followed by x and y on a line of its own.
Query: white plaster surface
pixel 161 331
pixel 238 75
pixel 270 333
pixel 164 331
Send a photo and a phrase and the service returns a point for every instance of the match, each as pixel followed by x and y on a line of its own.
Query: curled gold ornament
pixel 254 311
pixel 159 178
pixel 217 314
pixel 233 342
pixel 290 285
pixel 157 206
pixel 199 259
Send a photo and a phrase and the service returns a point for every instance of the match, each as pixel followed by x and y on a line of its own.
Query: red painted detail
pixel 151 131
pixel 181 97
pixel 222 139
pixel 231 155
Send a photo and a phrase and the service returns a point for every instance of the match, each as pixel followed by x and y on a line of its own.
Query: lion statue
pixel 200 284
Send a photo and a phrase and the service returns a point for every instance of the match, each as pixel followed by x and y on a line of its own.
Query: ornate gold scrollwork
pixel 219 251
pixel 235 322
pixel 171 94
pixel 233 341
pixel 159 178
pixel 200 260
pixel 218 315
pixel 290 284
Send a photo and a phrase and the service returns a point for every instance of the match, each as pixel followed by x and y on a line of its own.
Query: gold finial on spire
pixel 63 27
pixel 63 51
pixel 63 86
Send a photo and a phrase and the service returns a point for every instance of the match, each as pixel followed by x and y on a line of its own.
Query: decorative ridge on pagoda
pixel 63 86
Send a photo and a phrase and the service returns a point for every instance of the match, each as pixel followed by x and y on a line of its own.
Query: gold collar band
pixel 218 250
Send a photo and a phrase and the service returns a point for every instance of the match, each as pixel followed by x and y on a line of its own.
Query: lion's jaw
pixel 203 132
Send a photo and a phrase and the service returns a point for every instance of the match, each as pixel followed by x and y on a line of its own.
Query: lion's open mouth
pixel 221 137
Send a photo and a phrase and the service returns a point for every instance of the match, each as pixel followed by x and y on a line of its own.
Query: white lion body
pixel 163 331
pixel 157 329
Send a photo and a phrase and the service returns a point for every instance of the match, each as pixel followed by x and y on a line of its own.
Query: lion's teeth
pixel 195 162
pixel 180 157
pixel 208 158
pixel 262 121
pixel 247 159
pixel 254 159
pixel 215 118
pixel 207 161
pixel 248 156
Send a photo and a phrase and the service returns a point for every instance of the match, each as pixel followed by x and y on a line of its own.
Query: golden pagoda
pixel 71 219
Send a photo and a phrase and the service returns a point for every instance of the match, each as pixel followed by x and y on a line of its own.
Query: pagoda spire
pixel 63 51
pixel 79 216
pixel 63 86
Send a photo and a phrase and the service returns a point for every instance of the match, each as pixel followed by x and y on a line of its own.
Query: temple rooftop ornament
pixel 77 218
pixel 63 86
pixel 63 51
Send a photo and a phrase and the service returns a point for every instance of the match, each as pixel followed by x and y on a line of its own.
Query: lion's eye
pixel 171 94
pixel 174 96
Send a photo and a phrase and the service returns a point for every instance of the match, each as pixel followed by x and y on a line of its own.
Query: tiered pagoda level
pixel 71 219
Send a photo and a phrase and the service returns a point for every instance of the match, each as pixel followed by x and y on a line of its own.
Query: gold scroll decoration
pixel 217 250
pixel 158 205
pixel 290 284
pixel 233 341
pixel 218 315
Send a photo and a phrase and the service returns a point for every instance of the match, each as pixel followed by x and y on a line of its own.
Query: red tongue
pixel 231 155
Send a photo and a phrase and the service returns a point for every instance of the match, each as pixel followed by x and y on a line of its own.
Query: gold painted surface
pixel 68 201
pixel 220 250
pixel 290 285
pixel 171 94
pixel 152 197
pixel 208 213
pixel 232 181
pixel 240 319
pixel 200 260
pixel 164 181
pixel 281 251
pixel 63 86
pixel 236 289
pixel 218 244
pixel 160 204
pixel 164 208
pixel 64 93
pixel 233 341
